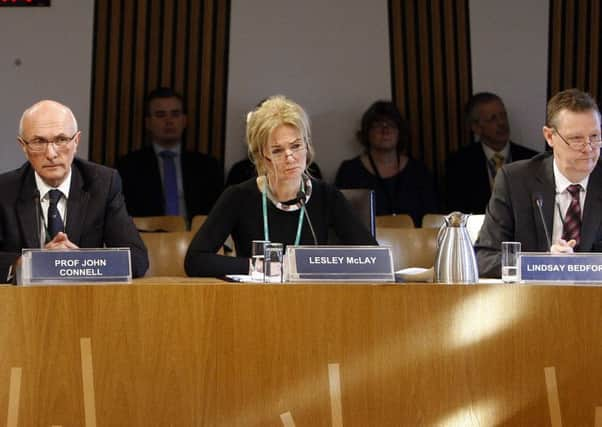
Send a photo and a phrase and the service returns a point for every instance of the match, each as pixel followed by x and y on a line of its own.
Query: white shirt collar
pixel 489 152
pixel 177 149
pixel 44 188
pixel 562 182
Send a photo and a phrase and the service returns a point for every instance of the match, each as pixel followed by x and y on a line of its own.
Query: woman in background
pixel 400 184
pixel 268 207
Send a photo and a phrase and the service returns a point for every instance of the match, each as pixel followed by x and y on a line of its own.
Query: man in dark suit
pixel 560 182
pixel 163 178
pixel 56 201
pixel 472 169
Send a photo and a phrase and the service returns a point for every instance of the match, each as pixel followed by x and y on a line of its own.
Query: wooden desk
pixel 205 353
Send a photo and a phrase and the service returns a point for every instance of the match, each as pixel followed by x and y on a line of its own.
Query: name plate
pixel 103 265
pixel 580 267
pixel 340 263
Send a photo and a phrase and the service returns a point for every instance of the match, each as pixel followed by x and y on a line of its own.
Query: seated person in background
pixel 566 183
pixel 164 178
pixel 471 170
pixel 56 201
pixel 245 169
pixel 268 207
pixel 401 184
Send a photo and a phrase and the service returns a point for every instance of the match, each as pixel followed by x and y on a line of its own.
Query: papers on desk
pixel 242 278
pixel 415 274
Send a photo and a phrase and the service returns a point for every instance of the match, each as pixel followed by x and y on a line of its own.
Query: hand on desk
pixel 563 247
pixel 60 241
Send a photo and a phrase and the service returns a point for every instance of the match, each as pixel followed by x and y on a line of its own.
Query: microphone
pixel 301 198
pixel 539 202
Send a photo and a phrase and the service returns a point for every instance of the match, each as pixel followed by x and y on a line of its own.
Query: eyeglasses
pixel 40 144
pixel 280 153
pixel 383 124
pixel 578 143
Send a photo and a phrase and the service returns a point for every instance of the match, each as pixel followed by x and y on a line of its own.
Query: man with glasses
pixel 474 166
pixel 564 187
pixel 57 201
pixel 163 178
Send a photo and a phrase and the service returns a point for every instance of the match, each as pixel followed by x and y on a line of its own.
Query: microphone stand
pixel 301 198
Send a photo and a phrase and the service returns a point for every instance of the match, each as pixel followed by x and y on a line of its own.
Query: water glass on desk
pixel 273 263
pixel 257 259
pixel 510 253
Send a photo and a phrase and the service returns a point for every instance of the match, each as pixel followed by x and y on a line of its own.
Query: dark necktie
pixel 170 182
pixel 55 222
pixel 572 220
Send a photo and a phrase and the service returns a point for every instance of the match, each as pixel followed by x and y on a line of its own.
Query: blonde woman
pixel 268 207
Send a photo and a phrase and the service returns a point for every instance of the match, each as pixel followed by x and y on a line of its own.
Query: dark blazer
pixel 202 178
pixel 96 214
pixel 512 213
pixel 468 188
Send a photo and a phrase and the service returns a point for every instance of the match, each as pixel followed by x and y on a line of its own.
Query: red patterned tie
pixel 572 220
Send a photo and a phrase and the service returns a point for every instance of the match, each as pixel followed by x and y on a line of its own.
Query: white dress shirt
pixel 44 188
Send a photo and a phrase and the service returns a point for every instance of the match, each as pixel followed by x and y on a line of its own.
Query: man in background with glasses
pixel 553 201
pixel 57 201
pixel 475 165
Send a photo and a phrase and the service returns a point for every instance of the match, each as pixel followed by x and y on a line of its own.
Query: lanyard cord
pixel 266 228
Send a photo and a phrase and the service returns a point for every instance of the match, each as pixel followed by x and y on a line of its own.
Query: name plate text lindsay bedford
pixel 580 267
pixel 339 263
pixel 104 265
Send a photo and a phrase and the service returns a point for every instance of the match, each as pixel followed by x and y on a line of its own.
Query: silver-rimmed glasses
pixel 40 144
pixel 280 153
pixel 578 143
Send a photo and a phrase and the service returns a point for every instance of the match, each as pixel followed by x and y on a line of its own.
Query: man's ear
pixel 476 128
pixel 547 134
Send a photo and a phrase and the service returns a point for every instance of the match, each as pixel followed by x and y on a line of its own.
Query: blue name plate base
pixel 103 265
pixel 580 267
pixel 339 263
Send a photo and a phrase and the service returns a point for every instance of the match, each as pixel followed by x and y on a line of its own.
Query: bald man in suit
pixel 56 201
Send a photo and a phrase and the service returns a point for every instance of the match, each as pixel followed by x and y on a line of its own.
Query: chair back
pixel 362 203
pixel 160 223
pixel 433 220
pixel 411 247
pixel 473 225
pixel 394 221
pixel 166 252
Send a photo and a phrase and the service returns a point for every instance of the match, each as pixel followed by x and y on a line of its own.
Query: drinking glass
pixel 510 253
pixel 257 259
pixel 273 263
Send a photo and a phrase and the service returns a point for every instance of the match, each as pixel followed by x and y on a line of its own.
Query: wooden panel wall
pixel 574 47
pixel 142 44
pixel 431 75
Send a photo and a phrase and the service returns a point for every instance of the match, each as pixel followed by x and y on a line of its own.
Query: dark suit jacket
pixel 202 178
pixel 512 213
pixel 96 214
pixel 468 188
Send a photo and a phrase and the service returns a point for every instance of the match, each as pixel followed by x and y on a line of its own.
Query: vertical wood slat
pixel 125 113
pixel 206 56
pixel 220 81
pixel 431 75
pixel 574 46
pixel 139 78
pixel 98 79
pixel 141 44
pixel 167 42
